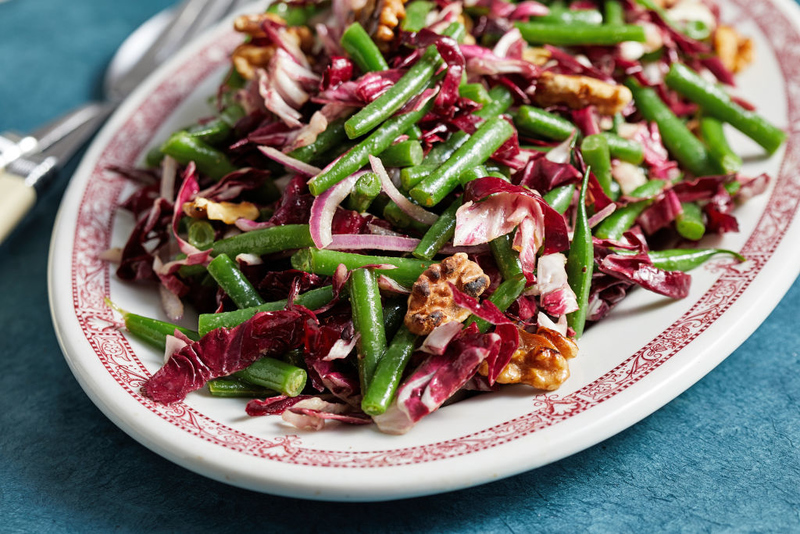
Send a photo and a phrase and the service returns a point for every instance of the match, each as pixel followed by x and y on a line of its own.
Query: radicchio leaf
pixel 153 228
pixel 495 207
pixel 311 414
pixel 320 339
pixel 556 297
pixel 486 310
pixel 660 213
pixel 637 268
pixel 273 405
pixel 224 351
pixel 436 379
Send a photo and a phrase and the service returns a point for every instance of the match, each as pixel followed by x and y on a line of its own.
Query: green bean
pixel 411 176
pixel 473 173
pixel 365 303
pixel 648 189
pixel 216 131
pixel 718 147
pixel 479 147
pixel 560 198
pixel 439 233
pixel 502 99
pixel 188 271
pixel 362 49
pixel 232 387
pixel 684 146
pixel 153 158
pixel 400 219
pixel 357 157
pixel 233 282
pixel 413 82
pixel 415 133
pixel 292 14
pixel 312 299
pixel 561 14
pixel 201 234
pixel 232 114
pixel 329 138
pixel 714 101
pixel 276 375
pixel 366 189
pixel 505 256
pixel 416 15
pixel 594 149
pixel 456 31
pixel 579 34
pixel 504 296
pixel 536 121
pixel 394 312
pixel 265 241
pixel 689 223
pixel 508 292
pixel 403 154
pixel 184 147
pixel 213 132
pixel 694 29
pixel 475 92
pixel 614 13
pixel 624 149
pixel 313 260
pixel 580 262
pixel 686 259
pixel 732 187
pixel 151 331
pixel 378 396
pixel 619 222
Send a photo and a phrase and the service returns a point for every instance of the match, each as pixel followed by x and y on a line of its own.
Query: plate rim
pixel 141 429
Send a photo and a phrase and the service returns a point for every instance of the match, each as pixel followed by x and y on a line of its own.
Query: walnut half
pixel 577 92
pixel 540 361
pixel 735 52
pixel 248 57
pixel 227 212
pixel 431 301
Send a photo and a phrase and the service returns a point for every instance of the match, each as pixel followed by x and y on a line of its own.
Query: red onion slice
pixel 598 217
pixel 342 348
pixel 324 208
pixel 418 213
pixel 390 285
pixel 561 152
pixel 372 242
pixel 289 162
pixel 436 342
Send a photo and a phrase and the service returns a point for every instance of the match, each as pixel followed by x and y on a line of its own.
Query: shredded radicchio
pixel 285 107
pixel 223 351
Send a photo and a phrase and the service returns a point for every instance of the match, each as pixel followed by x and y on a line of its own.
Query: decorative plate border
pixel 90 280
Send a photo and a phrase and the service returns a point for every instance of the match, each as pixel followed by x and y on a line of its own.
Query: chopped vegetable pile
pixel 396 205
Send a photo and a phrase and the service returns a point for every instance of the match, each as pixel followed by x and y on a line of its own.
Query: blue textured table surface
pixel 721 457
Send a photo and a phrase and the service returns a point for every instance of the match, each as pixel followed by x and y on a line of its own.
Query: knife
pixel 31 162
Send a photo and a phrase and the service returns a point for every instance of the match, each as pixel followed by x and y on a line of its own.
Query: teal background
pixel 722 457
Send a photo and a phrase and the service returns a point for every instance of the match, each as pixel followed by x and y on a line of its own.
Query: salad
pixel 396 205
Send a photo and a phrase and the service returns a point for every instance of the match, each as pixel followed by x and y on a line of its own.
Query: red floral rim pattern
pixel 91 281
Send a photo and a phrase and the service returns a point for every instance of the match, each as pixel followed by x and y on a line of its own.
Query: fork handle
pixel 16 201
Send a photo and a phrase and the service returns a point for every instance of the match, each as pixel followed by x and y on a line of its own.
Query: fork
pixel 29 163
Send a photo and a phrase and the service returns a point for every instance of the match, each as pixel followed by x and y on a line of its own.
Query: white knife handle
pixel 16 200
